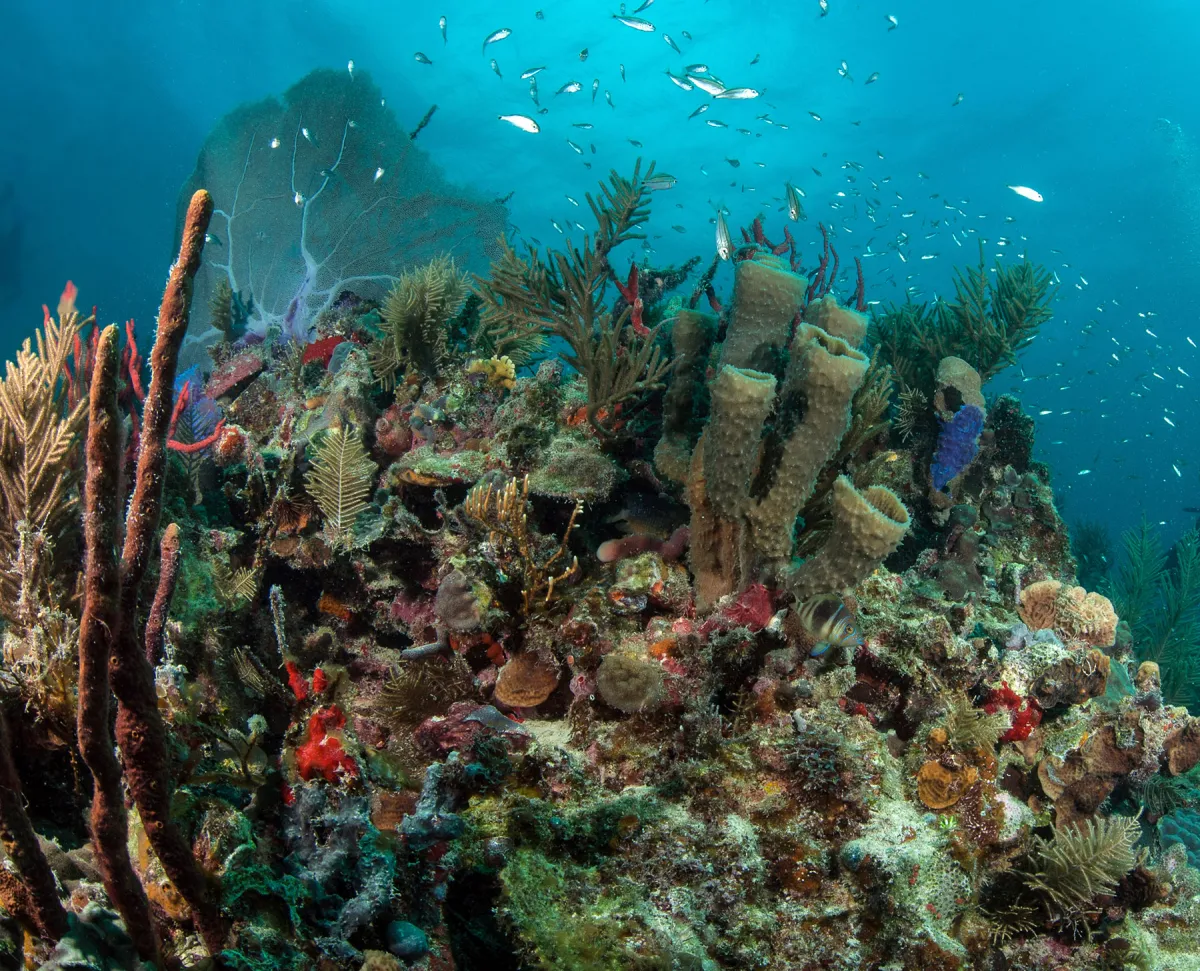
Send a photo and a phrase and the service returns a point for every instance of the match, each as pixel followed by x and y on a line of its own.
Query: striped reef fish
pixel 827 629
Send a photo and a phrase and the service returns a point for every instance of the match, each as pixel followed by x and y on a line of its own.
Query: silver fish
pixel 713 123
pixel 526 75
pixel 576 148
pixel 583 54
pixel 873 78
pixel 595 88
pixel 724 242
pixel 533 92
pixel 442 28
pixel 697 69
pixel 585 125
pixel 622 67
pixel 658 181
pixel 738 94
pixel 683 83
pixel 643 5
pixel 571 87
pixel 827 629
pixel 958 100
pixel 496 35
pixel 699 111
pixel 672 44
pixel 635 22
pixel 608 98
pixel 795 209
pixel 496 68
pixel 524 122
pixel 709 85
pixel 421 58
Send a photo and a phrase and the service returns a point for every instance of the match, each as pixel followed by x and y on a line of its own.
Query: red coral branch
pixel 860 303
pixel 629 291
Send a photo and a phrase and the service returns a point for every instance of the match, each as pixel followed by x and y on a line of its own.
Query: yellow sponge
pixel 867 527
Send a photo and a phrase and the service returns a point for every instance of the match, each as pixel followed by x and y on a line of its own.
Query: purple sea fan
pixel 958 442
pixel 321 192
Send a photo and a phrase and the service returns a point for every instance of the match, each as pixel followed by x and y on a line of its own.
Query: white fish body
pixel 707 84
pixel 724 242
pixel 1027 193
pixel 795 209
pixel 635 22
pixel 350 68
pixel 524 122
pixel 571 87
pixel 378 173
pixel 683 83
pixel 738 94
pixel 496 35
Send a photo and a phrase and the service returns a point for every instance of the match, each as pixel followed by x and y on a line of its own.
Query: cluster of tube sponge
pixel 767 440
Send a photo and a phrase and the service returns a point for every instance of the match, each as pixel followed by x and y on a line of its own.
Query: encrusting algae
pixel 456 654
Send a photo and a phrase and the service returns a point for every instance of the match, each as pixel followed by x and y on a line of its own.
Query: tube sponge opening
pixel 867 528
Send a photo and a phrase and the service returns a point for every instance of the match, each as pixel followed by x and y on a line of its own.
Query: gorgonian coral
pixel 320 192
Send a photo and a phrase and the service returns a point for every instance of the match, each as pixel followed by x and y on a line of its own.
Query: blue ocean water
pixel 1091 105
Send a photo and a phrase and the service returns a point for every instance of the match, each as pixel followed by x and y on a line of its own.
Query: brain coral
pixel 1081 616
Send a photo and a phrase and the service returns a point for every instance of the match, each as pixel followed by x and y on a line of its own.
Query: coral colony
pixel 561 615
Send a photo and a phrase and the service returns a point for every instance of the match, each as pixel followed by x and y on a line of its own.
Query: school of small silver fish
pixel 897 222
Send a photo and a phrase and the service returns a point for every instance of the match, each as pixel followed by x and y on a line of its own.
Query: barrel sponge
pixel 867 527
pixel 954 372
pixel 833 318
pixel 741 403
pixel 766 299
pixel 824 372
pixel 1072 611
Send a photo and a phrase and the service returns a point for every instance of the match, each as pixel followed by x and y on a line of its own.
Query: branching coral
pixel 505 513
pixel 341 476
pixel 563 294
pixel 1078 865
pixel 38 428
pixel 987 323
pixel 415 314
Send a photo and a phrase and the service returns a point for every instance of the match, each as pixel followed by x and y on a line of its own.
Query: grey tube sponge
pixel 867 527
pixel 824 374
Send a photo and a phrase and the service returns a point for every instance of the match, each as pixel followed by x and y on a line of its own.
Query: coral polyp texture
pixel 743 639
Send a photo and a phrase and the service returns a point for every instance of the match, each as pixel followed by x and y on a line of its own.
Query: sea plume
pixel 319 192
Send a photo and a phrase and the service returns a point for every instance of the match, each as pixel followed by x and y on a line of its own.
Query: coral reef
pixel 700 649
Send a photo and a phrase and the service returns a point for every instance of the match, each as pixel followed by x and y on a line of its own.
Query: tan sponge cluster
pixel 1072 611
pixel 767 440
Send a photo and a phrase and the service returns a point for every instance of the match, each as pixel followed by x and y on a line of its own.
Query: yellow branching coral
pixel 505 513
pixel 415 315
pixel 38 430
pixel 499 372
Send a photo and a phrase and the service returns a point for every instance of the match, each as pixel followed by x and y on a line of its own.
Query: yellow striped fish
pixel 828 629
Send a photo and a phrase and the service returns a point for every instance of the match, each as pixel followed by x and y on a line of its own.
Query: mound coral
pixel 1073 611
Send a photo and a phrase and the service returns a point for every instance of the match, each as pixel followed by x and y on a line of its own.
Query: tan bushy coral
pixel 1072 611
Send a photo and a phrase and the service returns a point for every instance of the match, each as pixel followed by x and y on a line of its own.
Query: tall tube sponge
pixel 723 464
pixel 822 377
pixel 867 528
